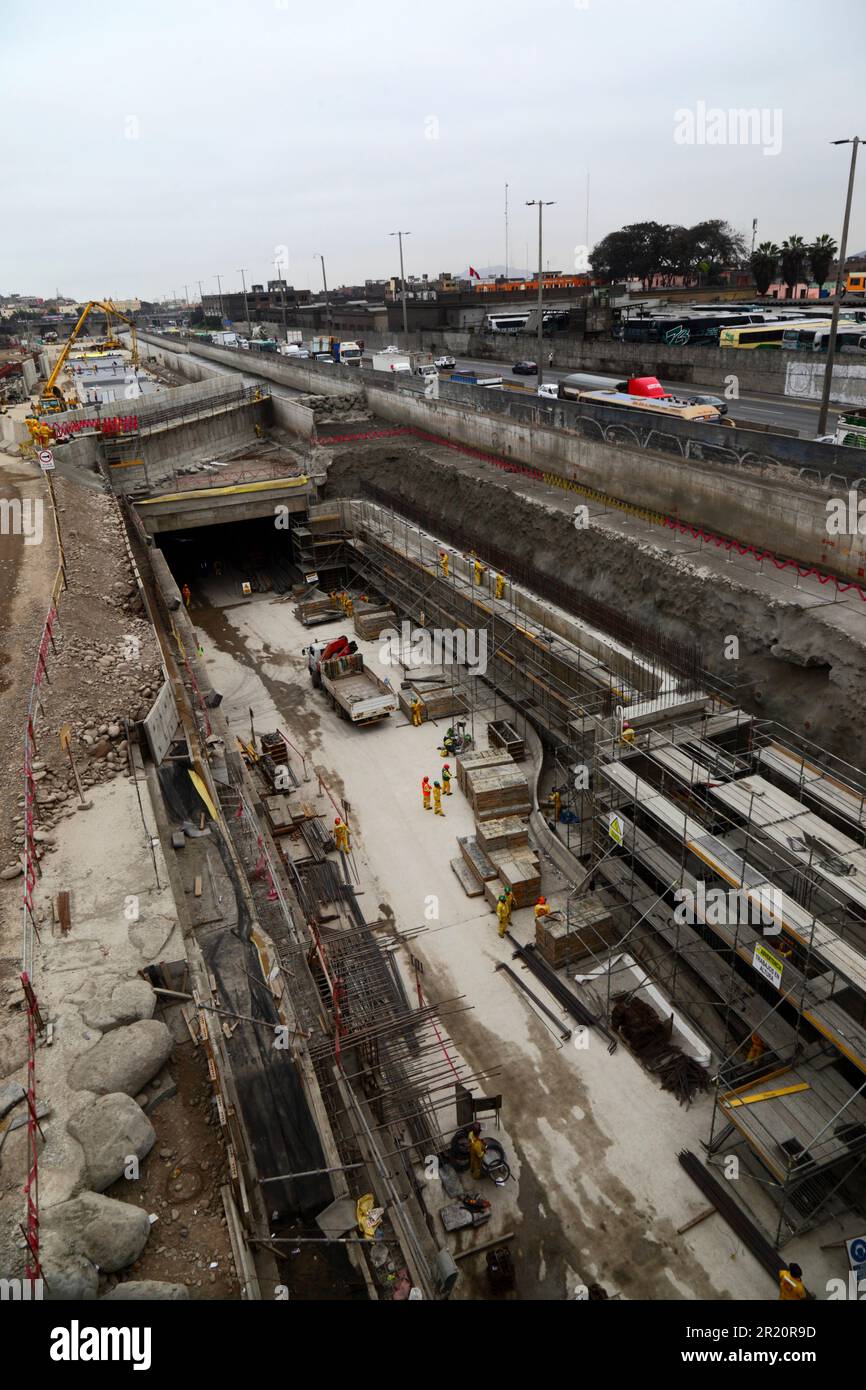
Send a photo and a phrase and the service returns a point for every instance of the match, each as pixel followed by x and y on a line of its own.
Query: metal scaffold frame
pixel 684 749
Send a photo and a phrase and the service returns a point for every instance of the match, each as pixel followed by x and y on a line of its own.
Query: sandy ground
pixel 590 1138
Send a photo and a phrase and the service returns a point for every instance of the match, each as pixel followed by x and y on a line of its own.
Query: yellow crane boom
pixel 51 394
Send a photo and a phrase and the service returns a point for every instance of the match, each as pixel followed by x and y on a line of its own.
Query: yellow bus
pixel 763 335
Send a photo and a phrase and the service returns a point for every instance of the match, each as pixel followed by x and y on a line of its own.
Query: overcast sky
pixel 144 148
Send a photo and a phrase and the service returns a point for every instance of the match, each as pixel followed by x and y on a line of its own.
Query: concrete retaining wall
pixel 767 505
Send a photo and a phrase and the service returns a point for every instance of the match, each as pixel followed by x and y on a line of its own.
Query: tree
pixel 765 265
pixel 715 246
pixel 794 253
pixel 821 255
pixel 610 258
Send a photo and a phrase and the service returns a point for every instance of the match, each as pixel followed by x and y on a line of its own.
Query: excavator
pixel 52 398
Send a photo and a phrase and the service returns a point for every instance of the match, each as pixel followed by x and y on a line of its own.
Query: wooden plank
pixel 63 911
pixel 469 883
pixel 197 886
pixel 477 861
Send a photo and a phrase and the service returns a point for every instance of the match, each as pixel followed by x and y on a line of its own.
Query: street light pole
pixel 222 307
pixel 840 275
pixel 327 300
pixel 247 307
pixel 541 205
pixel 400 236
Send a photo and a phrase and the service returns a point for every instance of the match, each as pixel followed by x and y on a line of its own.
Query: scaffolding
pixel 699 803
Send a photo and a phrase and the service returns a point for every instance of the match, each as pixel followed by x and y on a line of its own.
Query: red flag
pixel 473 271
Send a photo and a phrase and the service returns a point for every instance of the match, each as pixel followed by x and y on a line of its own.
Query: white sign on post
pixel 46 460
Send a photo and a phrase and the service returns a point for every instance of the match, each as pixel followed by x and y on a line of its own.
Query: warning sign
pixel 46 460
pixel 768 965
pixel 615 828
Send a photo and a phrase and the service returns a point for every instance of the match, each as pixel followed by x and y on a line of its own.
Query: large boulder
pixel 108 1233
pixel 147 1289
pixel 117 1003
pixel 123 1060
pixel 110 1130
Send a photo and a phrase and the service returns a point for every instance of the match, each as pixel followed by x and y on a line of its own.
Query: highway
pixel 776 412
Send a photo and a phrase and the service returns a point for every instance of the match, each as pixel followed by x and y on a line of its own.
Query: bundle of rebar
pixel 560 990
pixel 649 1038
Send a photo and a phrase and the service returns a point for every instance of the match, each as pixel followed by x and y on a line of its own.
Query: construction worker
pixel 425 792
pixel 791 1286
pixel 502 913
pixel 554 801
pixel 186 594
pixel 541 909
pixel 500 585
pixel 443 562
pixel 509 901
pixel 447 742
pixel 341 835
pixel 757 1048
pixel 628 733
pixel 416 712
pixel 477 1149
pixel 479 571
pixel 446 779
pixel 437 800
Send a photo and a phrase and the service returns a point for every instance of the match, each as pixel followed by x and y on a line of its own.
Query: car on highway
pixel 549 390
pixel 445 363
pixel 721 406
pixel 525 369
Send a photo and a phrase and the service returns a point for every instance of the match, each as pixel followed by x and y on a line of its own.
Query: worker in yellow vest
pixel 757 1048
pixel 477 1150
pixel 628 733
pixel 503 913
pixel 479 571
pixel 437 800
pixel 341 835
pixel 500 585
pixel 446 779
pixel 417 708
pixel 541 909
pixel 791 1286
pixel 443 563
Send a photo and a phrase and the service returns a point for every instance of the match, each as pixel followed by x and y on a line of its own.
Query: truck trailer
pixel 356 693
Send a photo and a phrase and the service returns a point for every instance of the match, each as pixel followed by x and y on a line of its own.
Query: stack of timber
pixel 590 929
pixel 473 868
pixel 518 870
pixel 437 701
pixel 470 762
pixel 370 621
pixel 495 792
pixel 317 610
pixel 506 832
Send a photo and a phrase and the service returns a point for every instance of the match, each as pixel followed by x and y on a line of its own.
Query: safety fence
pixel 32 872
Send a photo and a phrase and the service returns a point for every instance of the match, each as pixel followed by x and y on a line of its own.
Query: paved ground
pixel 591 1139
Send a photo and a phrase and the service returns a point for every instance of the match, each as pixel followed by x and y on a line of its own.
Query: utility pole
pixel 222 307
pixel 327 300
pixel 840 277
pixel 506 231
pixel 754 233
pixel 278 268
pixel 541 205
pixel 246 306
pixel 400 236
pixel 186 296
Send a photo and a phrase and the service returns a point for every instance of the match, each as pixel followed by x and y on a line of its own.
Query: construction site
pixel 274 1025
